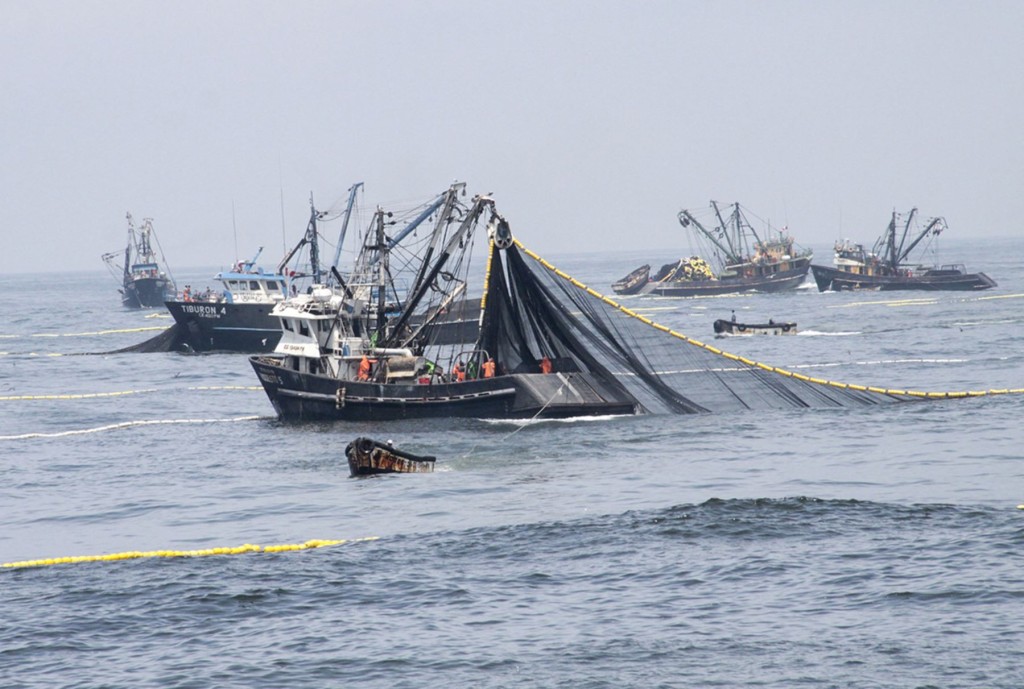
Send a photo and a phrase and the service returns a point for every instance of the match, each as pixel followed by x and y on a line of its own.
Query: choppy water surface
pixel 876 547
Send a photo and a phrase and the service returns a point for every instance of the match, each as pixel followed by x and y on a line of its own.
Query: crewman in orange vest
pixel 460 372
pixel 488 368
pixel 364 369
pixel 545 364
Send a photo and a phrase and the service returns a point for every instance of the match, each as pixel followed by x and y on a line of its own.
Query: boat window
pixel 253 285
pixel 287 325
pixel 303 328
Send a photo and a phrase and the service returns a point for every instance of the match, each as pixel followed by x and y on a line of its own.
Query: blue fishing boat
pixel 236 317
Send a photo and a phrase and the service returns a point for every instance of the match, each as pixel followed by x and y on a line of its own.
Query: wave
pixel 819 333
pixel 549 422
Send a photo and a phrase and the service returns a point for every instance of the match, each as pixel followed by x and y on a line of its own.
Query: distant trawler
pixel 746 261
pixel 888 266
pixel 143 283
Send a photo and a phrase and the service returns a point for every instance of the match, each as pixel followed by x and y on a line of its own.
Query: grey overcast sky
pixel 592 122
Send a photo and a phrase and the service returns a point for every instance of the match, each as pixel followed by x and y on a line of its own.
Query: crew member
pixel 488 368
pixel 364 369
pixel 545 364
pixel 460 372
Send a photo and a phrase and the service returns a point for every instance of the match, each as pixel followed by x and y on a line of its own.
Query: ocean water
pixel 874 547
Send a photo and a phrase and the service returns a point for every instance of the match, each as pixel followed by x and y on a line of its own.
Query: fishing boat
pixel 237 316
pixel 144 284
pixel 367 457
pixel 634 282
pixel 888 266
pixel 731 327
pixel 743 259
pixel 362 351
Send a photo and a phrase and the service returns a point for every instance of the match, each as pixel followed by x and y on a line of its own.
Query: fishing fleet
pixel 399 334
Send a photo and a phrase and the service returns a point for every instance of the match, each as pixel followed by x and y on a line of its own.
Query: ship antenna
pixel 234 228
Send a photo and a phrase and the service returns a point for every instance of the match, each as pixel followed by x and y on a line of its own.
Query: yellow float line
pixel 82 396
pixel 487 274
pixel 1001 296
pixel 96 332
pixel 765 367
pixel 888 302
pixel 136 554
pixel 51 354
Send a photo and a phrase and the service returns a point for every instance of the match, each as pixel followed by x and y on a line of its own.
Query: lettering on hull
pixel 203 310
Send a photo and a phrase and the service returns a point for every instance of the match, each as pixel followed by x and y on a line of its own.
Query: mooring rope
pixel 533 418
pixel 528 422
pixel 766 367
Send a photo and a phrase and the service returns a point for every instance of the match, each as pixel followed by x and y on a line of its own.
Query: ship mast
pixel 344 225
pixel 382 274
pixel 741 223
pixel 310 237
pixel 461 235
pixel 732 250
pixel 900 253
pixel 449 200
pixel 686 218
pixel 886 244
pixel 314 249
pixel 927 230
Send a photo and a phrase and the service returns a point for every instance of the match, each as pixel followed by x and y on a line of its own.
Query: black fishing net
pixel 533 311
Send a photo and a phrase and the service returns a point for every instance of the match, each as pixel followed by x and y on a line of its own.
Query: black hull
pixel 249 328
pixel 723 327
pixel 224 327
pixel 837 280
pixel 306 397
pixel 779 282
pixel 368 457
pixel 146 293
pixel 634 282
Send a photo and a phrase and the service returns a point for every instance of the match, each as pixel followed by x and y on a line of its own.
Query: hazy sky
pixel 591 122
